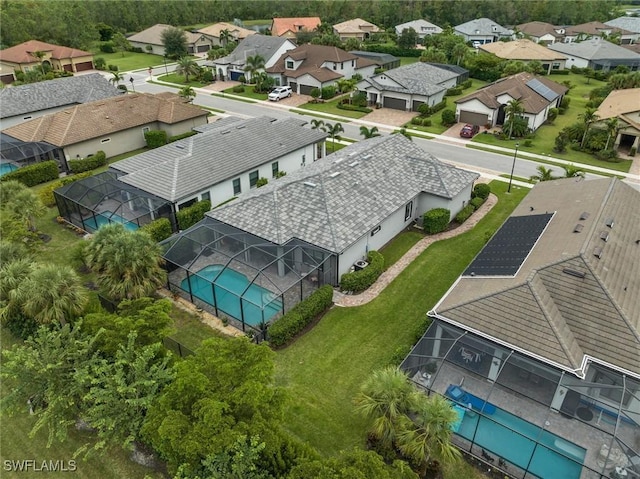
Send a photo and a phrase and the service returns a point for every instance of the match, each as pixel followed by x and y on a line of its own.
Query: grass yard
pixel 331 107
pixel 324 369
pixel 128 61
pixel 398 246
pixel 190 331
pixel 248 93
pixel 179 79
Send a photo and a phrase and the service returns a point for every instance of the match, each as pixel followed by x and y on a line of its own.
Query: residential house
pixel 308 228
pixel 222 160
pixel 236 33
pixel 23 57
pixel 406 88
pixel 482 30
pixel 268 47
pixel 290 27
pixel 7 74
pixel 625 106
pixel 526 51
pixel 486 106
pixel 537 342
pixel 114 125
pixel 422 27
pixel 32 100
pixel 598 54
pixel 588 30
pixel 317 66
pixel 540 32
pixel 150 40
pixel 385 61
pixel 629 24
pixel 356 28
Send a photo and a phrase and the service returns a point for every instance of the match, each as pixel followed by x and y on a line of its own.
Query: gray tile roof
pixel 482 26
pixel 631 24
pixel 33 97
pixel 594 49
pixel 188 166
pixel 415 79
pixel 558 316
pixel 332 202
pixel 264 45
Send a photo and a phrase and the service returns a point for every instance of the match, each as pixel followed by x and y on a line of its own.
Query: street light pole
pixel 513 166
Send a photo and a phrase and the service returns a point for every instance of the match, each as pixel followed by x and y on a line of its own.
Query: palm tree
pixel 612 129
pixel 116 78
pixel 317 124
pixel 26 205
pixel 513 109
pixel 425 435
pixel 459 51
pixel 40 56
pixel 333 130
pixel 187 93
pixel 571 171
pixel 403 132
pixel 544 174
pixel 588 117
pixel 13 274
pixel 252 65
pixel 225 37
pixel 385 397
pixel 369 132
pixel 186 66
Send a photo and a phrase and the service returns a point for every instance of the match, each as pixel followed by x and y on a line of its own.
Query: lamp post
pixel 513 166
pixel 132 86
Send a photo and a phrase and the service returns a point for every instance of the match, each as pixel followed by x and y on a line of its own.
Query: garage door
pixel 416 105
pixel 306 89
pixel 203 48
pixel 473 118
pixel 234 75
pixel 294 86
pixel 84 66
pixel 395 103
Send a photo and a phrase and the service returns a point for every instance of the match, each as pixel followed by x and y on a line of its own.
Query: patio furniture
pixel 608 459
pixel 584 413
pixel 473 402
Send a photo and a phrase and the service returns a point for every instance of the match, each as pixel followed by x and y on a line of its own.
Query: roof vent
pixel 597 252
pixel 366 157
pixel 334 174
pixel 578 228
pixel 339 160
pixel 352 153
pixel 354 163
pixel 584 216
pixel 225 132
pixel 180 146
pixel 241 127
pixel 609 222
pixel 604 236
pixel 573 272
pixel 310 184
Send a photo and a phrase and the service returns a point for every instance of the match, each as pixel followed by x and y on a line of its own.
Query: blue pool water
pixel 229 286
pixel 553 457
pixel 7 168
pixel 92 224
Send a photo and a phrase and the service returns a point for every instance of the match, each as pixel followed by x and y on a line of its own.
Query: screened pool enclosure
pixel 242 277
pixel 101 199
pixel 527 418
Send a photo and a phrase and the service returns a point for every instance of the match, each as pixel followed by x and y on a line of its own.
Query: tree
pixel 407 39
pixel 13 274
pixel 186 66
pixel 188 93
pixel 513 110
pixel 433 55
pixel 334 131
pixel 120 43
pixel 369 132
pixel 316 123
pixel 588 117
pixel 175 42
pixel 544 174
pixel 24 205
pixel 253 64
pixel 225 37
pixel 612 130
pixel 116 78
pixel 458 52
pixel 40 56
pixel 403 132
pixel 128 264
pixel 571 171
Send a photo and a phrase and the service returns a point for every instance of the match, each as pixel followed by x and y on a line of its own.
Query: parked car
pixel 469 130
pixel 279 93
pixel 476 44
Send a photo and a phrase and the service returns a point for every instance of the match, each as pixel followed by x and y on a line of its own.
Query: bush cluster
pixel 88 164
pixel 448 117
pixel 328 92
pixel 436 220
pixel 477 202
pixel 34 174
pixel 560 72
pixel 482 190
pixel 182 136
pixel 358 281
pixel 99 63
pixel 430 110
pixel 107 47
pixel 189 216
pixel 46 193
pixel 466 84
pixel 454 91
pixel 416 120
pixel 238 89
pixel 346 106
pixel 284 329
pixel 159 229
pixel 464 214
pixel 155 138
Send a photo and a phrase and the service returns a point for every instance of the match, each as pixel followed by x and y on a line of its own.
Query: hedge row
pixel 436 220
pixel 159 229
pixel 88 164
pixel 358 281
pixel 46 193
pixel 464 213
pixel 346 106
pixel 180 137
pixel 155 138
pixel 188 217
pixel 34 174
pixel 288 326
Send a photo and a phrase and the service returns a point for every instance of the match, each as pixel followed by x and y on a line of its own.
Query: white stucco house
pixel 482 30
pixel 150 40
pixel 598 54
pixel 422 27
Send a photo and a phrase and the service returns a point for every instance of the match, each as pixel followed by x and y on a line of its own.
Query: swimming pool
pixel 7 168
pixel 551 457
pixel 257 303
pixel 101 219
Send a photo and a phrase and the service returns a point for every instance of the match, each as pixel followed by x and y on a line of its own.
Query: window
pixel 105 140
pixel 206 196
pixel 335 66
pixel 27 118
pixel 304 160
pixel 253 179
pixel 342 66
pixel 274 169
pixel 353 63
pixel 408 211
pixel 289 65
pixel 236 187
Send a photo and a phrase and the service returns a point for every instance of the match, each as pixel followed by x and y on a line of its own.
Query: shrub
pixel 171 139
pixel 189 216
pixel 453 91
pixel 565 102
pixel 464 213
pixel 328 92
pixel 436 220
pixel 284 329
pixel 242 79
pixel 34 174
pixel 481 190
pixel 607 155
pixel 466 84
pixel 416 120
pixel 113 68
pixel 552 115
pixel 46 193
pixel 155 138
pixel 359 99
pixel 448 117
pixel 123 88
pixel 346 106
pixel 88 164
pixel 438 106
pixel 633 151
pixel 423 109
pixel 159 229
pixel 238 89
pixel 315 93
pixel 207 76
pixel 358 281
pixel 527 142
pixel 562 111
pixel 99 63
pixel 477 202
pixel 261 182
pixel 107 47
pixel 426 122
pixel 560 72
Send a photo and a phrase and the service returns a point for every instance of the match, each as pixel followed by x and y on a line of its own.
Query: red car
pixel 469 130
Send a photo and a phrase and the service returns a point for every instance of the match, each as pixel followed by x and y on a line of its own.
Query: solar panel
pixel 504 254
pixel 542 89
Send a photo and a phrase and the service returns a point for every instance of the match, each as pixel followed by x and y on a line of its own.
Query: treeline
pixel 73 23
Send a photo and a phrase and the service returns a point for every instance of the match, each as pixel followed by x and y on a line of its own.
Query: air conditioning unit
pixel 360 264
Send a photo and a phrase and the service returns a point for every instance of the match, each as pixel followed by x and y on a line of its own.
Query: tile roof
pixel 521 50
pixel 417 25
pixel 280 26
pixel 33 97
pixel 619 102
pixel 22 53
pixel 153 35
pixel 414 79
pixel 264 45
pixel 595 49
pixel 226 149
pixel 356 25
pixel 631 24
pixel 103 117
pixel 516 87
pixel 379 58
pixel 577 293
pixel 332 202
pixel 236 31
pixel 482 26
pixel 593 28
pixel 539 29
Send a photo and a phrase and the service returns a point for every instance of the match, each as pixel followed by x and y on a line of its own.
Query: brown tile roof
pixel 280 26
pixel 237 32
pixel 153 35
pixel 556 316
pixel 91 120
pixel 525 50
pixel 538 29
pixel 516 87
pixel 22 53
pixel 594 28
pixel 619 102
pixel 357 25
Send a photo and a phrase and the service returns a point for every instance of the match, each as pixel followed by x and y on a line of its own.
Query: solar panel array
pixel 542 89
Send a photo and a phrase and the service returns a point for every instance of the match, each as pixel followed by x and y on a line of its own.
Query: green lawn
pixel 130 60
pixel 190 331
pixel 395 249
pixel 331 108
pixel 248 93
pixel 324 368
pixel 179 79
pixel 408 60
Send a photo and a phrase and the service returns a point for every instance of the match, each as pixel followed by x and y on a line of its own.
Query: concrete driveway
pixel 389 116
